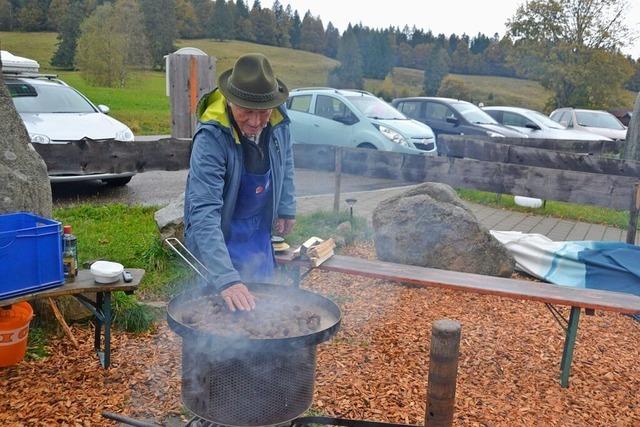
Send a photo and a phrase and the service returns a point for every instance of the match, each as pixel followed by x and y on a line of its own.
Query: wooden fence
pixel 561 171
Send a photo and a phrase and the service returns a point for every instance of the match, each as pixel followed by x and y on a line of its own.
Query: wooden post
pixel 338 169
pixel 191 75
pixel 443 370
pixel 633 215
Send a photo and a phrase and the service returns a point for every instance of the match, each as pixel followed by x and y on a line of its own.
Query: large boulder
pixel 429 226
pixel 170 219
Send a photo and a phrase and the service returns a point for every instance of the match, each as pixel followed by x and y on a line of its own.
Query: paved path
pixel 494 219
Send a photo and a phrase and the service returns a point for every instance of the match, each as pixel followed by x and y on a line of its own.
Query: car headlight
pixel 494 134
pixel 392 135
pixel 124 135
pixel 39 139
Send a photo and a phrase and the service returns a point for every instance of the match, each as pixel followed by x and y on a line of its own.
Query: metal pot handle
pixel 177 246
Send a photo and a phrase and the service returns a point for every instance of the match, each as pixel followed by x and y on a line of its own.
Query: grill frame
pixel 246 382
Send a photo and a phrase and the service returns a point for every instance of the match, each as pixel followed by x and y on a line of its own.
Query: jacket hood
pixel 213 108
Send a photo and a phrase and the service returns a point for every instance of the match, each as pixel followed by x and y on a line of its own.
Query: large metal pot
pixel 251 382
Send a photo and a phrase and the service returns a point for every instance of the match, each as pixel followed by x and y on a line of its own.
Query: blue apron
pixel 249 242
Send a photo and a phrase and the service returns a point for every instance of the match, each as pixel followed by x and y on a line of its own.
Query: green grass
pixel 128 235
pixel 585 213
pixel 38 46
pixel 323 225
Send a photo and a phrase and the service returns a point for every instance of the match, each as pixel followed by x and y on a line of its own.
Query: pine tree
pixel 186 20
pixel 32 16
pixel 349 73
pixel 64 56
pixel 264 25
pixel 282 24
pixel 294 31
pixel 220 24
pixel 242 25
pixel 160 28
pixel 435 70
pixel 6 15
pixel 312 34
pixel 331 40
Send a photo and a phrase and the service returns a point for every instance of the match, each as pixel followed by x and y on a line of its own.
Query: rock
pixel 170 219
pixel 430 226
pixel 24 183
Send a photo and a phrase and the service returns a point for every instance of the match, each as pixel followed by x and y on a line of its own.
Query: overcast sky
pixel 449 16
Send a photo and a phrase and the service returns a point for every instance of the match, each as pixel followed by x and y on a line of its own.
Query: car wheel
pixel 367 145
pixel 117 182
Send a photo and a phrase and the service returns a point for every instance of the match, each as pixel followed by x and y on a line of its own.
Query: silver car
pixel 55 113
pixel 537 125
pixel 594 121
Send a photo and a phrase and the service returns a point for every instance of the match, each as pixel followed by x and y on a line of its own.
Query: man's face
pixel 250 122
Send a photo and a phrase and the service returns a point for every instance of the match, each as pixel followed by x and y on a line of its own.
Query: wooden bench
pixel 100 308
pixel 576 298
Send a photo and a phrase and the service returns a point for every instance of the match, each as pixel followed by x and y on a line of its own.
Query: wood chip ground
pixel 375 368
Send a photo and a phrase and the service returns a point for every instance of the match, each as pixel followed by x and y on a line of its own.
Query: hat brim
pixel 279 98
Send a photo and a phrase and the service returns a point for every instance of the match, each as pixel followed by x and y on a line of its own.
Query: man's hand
pixel 238 297
pixel 284 226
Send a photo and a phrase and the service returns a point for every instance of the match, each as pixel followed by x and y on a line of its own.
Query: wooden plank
pixel 84 283
pixel 550 184
pixel 596 231
pixel 496 151
pixel 571 146
pixel 579 231
pixel 488 285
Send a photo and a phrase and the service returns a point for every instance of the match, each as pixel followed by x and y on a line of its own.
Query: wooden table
pixel 100 308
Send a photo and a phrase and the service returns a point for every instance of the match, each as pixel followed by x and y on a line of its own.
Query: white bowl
pixel 106 271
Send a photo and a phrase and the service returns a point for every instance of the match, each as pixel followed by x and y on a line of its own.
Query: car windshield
pixel 546 121
pixel 473 114
pixel 598 119
pixel 47 99
pixel 374 108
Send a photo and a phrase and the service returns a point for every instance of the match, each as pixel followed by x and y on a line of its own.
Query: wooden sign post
pixel 190 75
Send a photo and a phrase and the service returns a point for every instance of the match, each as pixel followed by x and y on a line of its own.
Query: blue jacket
pixel 214 179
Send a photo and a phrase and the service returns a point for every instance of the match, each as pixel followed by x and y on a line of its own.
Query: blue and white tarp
pixel 609 266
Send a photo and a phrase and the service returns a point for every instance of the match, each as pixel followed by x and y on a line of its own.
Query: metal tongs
pixel 177 246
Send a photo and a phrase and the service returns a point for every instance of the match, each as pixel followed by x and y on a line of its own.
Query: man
pixel 240 182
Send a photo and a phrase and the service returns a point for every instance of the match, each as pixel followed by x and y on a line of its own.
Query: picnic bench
pixel 100 308
pixel 550 294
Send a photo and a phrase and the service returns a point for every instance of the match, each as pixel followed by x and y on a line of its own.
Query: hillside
pixel 145 108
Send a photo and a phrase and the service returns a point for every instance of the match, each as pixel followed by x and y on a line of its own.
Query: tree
pixel 331 40
pixel 282 24
pixel 105 61
pixel 264 25
pixel 32 15
pixel 160 28
pixel 562 43
pixel 349 73
pixel 186 20
pixel 435 70
pixel 68 33
pixel 6 15
pixel 57 10
pixel 453 87
pixel 220 22
pixel 312 34
pixel 242 25
pixel 294 31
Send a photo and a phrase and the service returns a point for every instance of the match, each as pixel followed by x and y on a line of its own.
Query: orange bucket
pixel 14 329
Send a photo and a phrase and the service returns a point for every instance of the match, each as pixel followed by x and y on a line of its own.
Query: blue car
pixel 357 119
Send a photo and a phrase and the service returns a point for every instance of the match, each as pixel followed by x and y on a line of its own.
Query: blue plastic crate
pixel 30 254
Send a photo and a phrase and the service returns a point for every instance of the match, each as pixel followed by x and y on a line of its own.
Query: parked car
pixel 55 113
pixel 537 125
pixel 354 118
pixel 594 121
pixel 453 117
